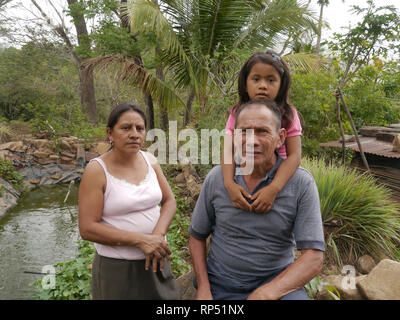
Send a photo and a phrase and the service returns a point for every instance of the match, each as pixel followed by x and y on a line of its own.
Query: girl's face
pixel 263 82
pixel 129 132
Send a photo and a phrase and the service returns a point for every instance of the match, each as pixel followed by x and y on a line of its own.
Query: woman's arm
pixel 91 199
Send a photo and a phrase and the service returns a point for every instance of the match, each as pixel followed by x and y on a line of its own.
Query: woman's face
pixel 129 132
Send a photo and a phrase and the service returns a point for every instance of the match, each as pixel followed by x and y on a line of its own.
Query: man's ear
pixel 282 137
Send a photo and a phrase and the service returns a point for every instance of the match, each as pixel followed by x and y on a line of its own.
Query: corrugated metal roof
pixel 369 145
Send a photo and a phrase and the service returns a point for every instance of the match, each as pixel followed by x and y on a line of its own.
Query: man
pixel 251 255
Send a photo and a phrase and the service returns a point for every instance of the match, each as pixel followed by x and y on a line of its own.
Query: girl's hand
pixel 237 194
pixel 264 199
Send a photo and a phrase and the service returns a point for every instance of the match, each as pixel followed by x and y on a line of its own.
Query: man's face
pixel 263 138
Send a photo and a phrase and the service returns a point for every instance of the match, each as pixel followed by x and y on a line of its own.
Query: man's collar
pixel 269 175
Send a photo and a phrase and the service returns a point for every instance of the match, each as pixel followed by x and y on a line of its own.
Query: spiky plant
pixel 358 214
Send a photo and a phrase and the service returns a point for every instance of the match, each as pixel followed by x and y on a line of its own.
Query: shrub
pixel 357 212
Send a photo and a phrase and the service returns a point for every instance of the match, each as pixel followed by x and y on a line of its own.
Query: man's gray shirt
pixel 248 246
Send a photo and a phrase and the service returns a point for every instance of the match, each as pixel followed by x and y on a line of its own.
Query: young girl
pixel 264 76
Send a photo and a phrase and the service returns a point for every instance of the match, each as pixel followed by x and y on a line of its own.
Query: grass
pixel 358 215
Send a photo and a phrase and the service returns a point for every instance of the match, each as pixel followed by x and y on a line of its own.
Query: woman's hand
pixel 238 194
pixel 264 199
pixel 156 249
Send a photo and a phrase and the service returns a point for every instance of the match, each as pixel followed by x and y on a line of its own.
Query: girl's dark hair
pixel 282 99
pixel 116 113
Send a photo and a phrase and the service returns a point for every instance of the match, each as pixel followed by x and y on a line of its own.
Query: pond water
pixel 40 230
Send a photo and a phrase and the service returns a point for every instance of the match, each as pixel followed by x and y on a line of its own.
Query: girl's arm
pixel 265 197
pixel 236 192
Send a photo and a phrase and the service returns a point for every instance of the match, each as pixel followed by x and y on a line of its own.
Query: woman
pixel 118 210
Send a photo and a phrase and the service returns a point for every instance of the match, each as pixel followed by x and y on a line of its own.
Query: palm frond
pixel 130 72
pixel 305 62
pixel 146 17
pixel 276 18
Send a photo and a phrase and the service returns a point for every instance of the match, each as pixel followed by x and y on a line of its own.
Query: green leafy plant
pixel 73 277
pixel 358 215
pixel 316 285
pixel 8 172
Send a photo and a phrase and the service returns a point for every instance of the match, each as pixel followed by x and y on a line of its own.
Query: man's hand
pixel 238 194
pixel 264 199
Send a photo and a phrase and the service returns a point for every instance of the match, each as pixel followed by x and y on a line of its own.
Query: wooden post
pixel 354 130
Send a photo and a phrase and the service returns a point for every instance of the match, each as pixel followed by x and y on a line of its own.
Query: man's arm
pixel 198 252
pixel 294 277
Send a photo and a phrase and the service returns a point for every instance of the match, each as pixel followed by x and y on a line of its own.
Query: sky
pixel 337 13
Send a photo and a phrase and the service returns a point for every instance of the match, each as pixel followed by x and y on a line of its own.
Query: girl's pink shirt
pixel 293 130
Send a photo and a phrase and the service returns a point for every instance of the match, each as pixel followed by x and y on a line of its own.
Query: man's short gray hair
pixel 270 104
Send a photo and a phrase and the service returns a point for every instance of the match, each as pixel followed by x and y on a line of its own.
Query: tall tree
pixel 88 100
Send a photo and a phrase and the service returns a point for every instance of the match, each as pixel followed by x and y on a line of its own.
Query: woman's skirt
pixel 118 279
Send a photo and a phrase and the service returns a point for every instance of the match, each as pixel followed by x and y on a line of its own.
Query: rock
pixel 40 143
pixel 65 145
pixel 6 155
pixel 8 198
pixel 16 146
pixel 68 154
pixel 34 181
pixel 100 147
pixel 56 176
pixel 365 264
pixel 347 292
pixel 41 154
pixel 54 157
pixel 383 282
pixel 180 178
pixel 185 284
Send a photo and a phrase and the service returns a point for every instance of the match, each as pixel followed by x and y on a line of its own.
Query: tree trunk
pixel 318 46
pixel 188 110
pixel 88 99
pixel 355 131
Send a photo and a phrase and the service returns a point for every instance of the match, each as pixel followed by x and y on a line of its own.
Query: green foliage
pixel 65 119
pixel 357 212
pixel 178 235
pixel 73 277
pixel 8 172
pixel 316 285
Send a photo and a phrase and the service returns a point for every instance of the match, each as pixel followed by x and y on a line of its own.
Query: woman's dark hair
pixel 282 99
pixel 116 113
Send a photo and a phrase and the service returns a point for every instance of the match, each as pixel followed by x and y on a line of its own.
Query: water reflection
pixel 41 230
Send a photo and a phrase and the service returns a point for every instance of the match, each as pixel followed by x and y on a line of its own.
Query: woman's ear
pixel 109 134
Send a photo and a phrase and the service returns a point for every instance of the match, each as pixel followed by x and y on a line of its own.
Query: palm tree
pixel 195 35
pixel 322 3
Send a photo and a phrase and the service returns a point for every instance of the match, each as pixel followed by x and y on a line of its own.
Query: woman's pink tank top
pixel 130 207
